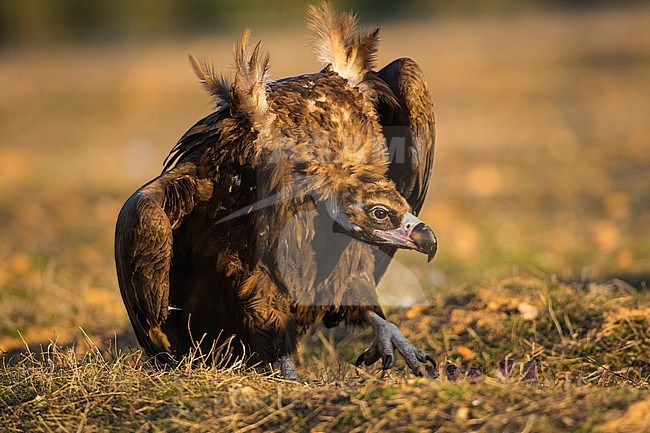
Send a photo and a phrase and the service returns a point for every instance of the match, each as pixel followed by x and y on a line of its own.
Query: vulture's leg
pixel 286 367
pixel 273 333
pixel 387 338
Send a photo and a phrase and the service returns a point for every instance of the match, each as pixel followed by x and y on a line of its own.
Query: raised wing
pixel 411 123
pixel 409 129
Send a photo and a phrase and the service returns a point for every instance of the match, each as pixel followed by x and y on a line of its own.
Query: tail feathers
pixel 339 43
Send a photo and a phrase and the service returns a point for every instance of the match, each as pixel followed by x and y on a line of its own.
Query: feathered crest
pixel 248 91
pixel 216 84
pixel 339 43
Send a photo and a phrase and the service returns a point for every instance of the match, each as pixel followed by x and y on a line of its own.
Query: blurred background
pixel 543 148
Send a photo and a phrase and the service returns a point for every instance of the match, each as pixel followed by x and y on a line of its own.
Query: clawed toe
pixel 420 363
pixel 360 360
pixel 386 362
pixel 387 338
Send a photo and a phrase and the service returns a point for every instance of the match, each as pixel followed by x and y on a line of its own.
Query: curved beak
pixel 425 240
pixel 412 234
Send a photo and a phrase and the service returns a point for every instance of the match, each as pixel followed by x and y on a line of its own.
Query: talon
pixel 360 359
pixel 388 337
pixel 386 362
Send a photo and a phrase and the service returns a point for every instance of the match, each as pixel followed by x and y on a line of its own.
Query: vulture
pixel 282 209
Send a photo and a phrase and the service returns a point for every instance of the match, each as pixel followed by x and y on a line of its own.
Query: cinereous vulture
pixel 283 208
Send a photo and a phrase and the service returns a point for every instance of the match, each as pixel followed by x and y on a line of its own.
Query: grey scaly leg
pixel 286 367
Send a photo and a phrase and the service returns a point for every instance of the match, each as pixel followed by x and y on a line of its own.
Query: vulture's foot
pixel 387 338
pixel 286 367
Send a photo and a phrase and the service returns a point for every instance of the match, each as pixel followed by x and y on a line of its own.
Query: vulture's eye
pixel 379 213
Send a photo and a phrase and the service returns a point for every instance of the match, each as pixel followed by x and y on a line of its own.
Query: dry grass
pixel 127 394
pixel 540 199
pixel 592 339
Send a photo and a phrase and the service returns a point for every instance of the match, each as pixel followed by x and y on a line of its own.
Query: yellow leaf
pixel 466 352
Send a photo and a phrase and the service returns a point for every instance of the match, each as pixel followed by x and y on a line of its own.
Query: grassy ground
pixel 592 341
pixel 540 199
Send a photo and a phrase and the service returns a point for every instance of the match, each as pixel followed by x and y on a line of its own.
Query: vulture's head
pixel 376 213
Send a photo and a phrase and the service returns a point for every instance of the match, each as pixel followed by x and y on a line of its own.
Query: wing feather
pixel 413 121
pixel 144 246
pixel 409 128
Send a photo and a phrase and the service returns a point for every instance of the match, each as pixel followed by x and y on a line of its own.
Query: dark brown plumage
pixel 282 209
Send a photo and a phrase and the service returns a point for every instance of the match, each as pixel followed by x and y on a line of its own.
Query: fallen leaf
pixel 466 352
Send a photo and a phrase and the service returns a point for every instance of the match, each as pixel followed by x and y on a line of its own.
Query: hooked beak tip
pixel 425 240
pixel 413 234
